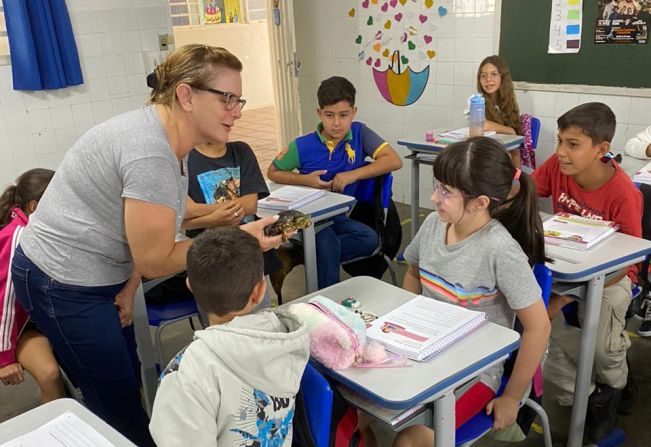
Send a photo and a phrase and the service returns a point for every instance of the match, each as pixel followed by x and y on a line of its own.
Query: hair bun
pixel 152 81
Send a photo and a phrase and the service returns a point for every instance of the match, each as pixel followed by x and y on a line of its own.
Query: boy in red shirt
pixel 579 182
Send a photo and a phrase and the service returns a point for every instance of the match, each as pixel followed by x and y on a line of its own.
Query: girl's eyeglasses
pixel 231 100
pixel 487 76
pixel 444 194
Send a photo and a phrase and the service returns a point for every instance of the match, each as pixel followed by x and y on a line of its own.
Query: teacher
pixel 114 207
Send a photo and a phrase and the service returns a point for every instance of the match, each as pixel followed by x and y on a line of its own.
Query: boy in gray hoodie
pixel 235 384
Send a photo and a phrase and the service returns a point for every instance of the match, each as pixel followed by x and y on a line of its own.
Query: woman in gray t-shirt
pixel 114 207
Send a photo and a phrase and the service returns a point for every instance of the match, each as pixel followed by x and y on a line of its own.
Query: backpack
pixel 343 425
pixel 389 231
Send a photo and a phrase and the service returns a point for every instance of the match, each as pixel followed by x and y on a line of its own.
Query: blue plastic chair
pixel 481 423
pixel 535 131
pixel 318 397
pixel 161 315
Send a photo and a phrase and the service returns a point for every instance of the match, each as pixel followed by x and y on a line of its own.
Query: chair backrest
pixel 366 189
pixel 535 131
pixel 318 397
pixel 544 277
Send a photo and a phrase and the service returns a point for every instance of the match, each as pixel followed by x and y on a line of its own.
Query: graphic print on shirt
pixel 565 202
pixel 456 293
pixel 173 365
pixel 264 421
pixel 220 185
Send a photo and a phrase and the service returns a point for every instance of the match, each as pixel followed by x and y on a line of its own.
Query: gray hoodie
pixel 235 384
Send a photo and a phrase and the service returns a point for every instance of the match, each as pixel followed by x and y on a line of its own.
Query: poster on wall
pixel 233 13
pixel 214 12
pixel 623 22
pixel 565 26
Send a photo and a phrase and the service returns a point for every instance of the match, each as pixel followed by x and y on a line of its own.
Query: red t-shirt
pixel 618 200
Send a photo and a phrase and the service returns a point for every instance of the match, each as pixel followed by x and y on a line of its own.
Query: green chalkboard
pixel 524 39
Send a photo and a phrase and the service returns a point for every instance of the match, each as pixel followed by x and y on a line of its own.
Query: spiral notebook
pixel 394 418
pixel 424 327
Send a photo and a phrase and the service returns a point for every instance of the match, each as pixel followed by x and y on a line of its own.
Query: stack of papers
pixel 423 327
pixel 290 197
pixel 454 136
pixel 643 175
pixel 579 233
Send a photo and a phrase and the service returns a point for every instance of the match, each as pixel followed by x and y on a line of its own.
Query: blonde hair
pixel 504 109
pixel 192 64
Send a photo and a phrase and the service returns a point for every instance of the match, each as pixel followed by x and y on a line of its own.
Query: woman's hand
pixel 124 305
pixel 256 229
pixel 12 374
pixel 505 411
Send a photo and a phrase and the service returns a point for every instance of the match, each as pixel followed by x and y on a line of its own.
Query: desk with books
pixel 329 205
pixel 582 273
pixel 424 152
pixel 433 381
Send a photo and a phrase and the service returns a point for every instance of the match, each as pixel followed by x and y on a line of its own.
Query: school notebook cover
pixel 643 175
pixel 424 327
pixel 576 232
pixel 290 197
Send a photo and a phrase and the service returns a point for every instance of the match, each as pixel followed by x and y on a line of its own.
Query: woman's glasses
pixel 231 100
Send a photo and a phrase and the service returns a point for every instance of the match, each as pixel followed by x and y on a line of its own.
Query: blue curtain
pixel 42 46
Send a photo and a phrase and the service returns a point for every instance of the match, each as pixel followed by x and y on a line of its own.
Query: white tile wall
pixel 37 128
pixel 462 39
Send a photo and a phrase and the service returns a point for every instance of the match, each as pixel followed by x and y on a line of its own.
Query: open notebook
pixel 423 327
pixel 290 197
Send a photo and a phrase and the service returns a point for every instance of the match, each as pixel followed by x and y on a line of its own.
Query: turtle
pixel 288 221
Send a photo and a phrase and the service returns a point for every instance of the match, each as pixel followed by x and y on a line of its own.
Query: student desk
pixel 582 273
pixel 34 418
pixel 424 152
pixel 431 381
pixel 325 207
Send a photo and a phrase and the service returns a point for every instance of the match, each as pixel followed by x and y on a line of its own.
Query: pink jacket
pixel 12 317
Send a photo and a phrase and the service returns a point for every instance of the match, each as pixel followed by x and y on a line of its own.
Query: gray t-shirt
pixel 77 234
pixel 488 271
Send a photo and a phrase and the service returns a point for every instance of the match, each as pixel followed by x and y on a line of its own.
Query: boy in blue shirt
pixel 332 158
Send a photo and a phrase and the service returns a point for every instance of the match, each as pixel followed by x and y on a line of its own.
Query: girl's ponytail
pixel 7 203
pixel 29 187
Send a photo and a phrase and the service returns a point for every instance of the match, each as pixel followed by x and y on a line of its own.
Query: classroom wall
pixel 117 42
pixel 325 42
pixel 250 43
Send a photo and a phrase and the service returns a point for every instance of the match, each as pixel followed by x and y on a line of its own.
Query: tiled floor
pixel 257 127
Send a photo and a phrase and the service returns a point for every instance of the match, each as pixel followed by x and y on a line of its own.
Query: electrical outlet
pixel 164 41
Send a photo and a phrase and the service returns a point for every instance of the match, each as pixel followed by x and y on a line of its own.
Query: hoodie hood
pixel 267 350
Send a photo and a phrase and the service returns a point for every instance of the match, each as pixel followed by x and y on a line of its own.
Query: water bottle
pixel 476 117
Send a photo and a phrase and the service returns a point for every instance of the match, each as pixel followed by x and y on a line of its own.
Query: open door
pixel 284 69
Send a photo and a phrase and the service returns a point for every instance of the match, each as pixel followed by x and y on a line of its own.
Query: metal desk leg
pixel 145 350
pixel 586 359
pixel 444 421
pixel 309 254
pixel 415 196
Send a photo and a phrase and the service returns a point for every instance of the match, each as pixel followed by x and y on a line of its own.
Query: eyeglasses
pixel 444 194
pixel 231 100
pixel 487 76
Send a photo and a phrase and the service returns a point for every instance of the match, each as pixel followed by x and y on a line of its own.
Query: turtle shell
pixel 288 222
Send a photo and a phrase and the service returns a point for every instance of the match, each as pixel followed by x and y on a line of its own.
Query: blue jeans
pixel 83 326
pixel 346 239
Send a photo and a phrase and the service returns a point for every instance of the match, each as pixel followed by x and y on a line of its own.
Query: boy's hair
pixel 224 265
pixel 481 166
pixel 336 89
pixel 595 119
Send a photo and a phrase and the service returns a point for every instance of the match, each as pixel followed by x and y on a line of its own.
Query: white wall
pixel 325 40
pixel 250 43
pixel 114 39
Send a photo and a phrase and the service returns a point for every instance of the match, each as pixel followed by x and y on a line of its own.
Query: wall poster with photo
pixel 623 22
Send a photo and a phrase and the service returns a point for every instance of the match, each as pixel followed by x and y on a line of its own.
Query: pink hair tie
pixel 516 176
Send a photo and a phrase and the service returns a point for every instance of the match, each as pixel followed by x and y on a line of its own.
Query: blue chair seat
pixel 163 313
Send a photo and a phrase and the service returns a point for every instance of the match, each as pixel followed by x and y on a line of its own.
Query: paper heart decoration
pixel 427 39
pixel 411 45
pixel 403 38
pixel 398 17
pixel 393 3
pixel 378 35
pixel 359 39
pixel 443 11
pixel 431 54
pixel 412 30
pixel 387 24
pixel 365 4
pixel 369 61
pixel 429 3
pixel 351 13
pixel 404 60
pixel 422 18
pixel 402 2
pixel 377 47
pixel 374 2
pixel 377 63
pixel 369 22
pixel 385 7
pixel 385 53
pixel 361 55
